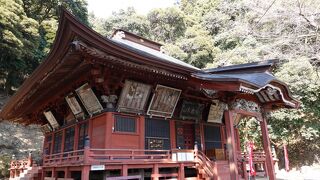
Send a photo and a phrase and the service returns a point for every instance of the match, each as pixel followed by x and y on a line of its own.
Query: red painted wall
pixel 98 133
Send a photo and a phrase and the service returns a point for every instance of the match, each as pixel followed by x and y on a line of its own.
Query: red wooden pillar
pixel 67 173
pixel 267 149
pixel 76 137
pixel 173 135
pixel 142 131
pixel 155 172
pixel 181 171
pixel 124 171
pixel 53 173
pixel 231 145
pixel 85 173
pixel 62 143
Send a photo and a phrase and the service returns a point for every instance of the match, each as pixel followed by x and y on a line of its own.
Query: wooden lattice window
pixel 125 124
pixel 48 144
pixel 83 132
pixel 212 137
pixel 57 142
pixel 157 134
pixel 69 139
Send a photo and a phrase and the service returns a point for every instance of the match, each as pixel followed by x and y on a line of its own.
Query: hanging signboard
pixel 164 101
pixel 216 111
pixel 191 110
pixel 46 128
pixel 51 119
pixel 133 97
pixel 74 105
pixel 89 99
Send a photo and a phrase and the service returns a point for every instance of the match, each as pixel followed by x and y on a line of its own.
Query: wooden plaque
pixel 51 119
pixel 191 110
pixel 46 128
pixel 133 97
pixel 74 105
pixel 89 99
pixel 164 101
pixel 216 111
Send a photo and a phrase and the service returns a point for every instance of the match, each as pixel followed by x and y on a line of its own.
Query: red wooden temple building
pixel 120 108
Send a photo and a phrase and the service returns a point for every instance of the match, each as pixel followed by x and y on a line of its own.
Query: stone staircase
pixel 30 173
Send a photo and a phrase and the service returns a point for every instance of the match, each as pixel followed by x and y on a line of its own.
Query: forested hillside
pixel 204 33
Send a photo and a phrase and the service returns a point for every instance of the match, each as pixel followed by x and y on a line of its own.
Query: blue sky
pixel 104 8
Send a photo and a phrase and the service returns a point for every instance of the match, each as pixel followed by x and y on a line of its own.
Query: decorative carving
pixel 110 101
pixel 210 93
pixel 242 104
pixel 119 35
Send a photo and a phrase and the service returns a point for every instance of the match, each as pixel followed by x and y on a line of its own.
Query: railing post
pixel 196 151
pixel 86 152
pixel 29 159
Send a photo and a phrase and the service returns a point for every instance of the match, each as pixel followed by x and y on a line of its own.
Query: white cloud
pixel 104 8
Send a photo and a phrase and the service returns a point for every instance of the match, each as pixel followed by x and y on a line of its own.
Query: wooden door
pixel 188 134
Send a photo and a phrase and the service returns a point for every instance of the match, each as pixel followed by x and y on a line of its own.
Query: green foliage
pixel 127 20
pixel 213 33
pixel 4 166
pixel 167 25
pixel 27 31
pixel 18 41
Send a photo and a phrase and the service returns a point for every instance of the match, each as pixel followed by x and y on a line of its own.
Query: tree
pixel 27 31
pixel 127 20
pixel 19 37
pixel 166 25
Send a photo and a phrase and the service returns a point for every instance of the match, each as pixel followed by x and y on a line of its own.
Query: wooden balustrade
pixel 20 164
pixel 128 155
pixel 258 156
pixel 205 163
pixel 70 157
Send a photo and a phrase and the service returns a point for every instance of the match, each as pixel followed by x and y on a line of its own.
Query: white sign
pixel 97 167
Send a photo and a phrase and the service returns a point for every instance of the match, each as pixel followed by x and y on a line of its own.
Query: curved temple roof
pixel 253 78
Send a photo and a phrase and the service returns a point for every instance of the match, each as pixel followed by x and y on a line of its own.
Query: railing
pixel 92 156
pixel 20 164
pixel 204 163
pixel 70 157
pixel 121 155
pixel 258 156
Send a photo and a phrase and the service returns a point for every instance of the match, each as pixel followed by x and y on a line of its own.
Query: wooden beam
pixel 231 145
pixel 267 149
